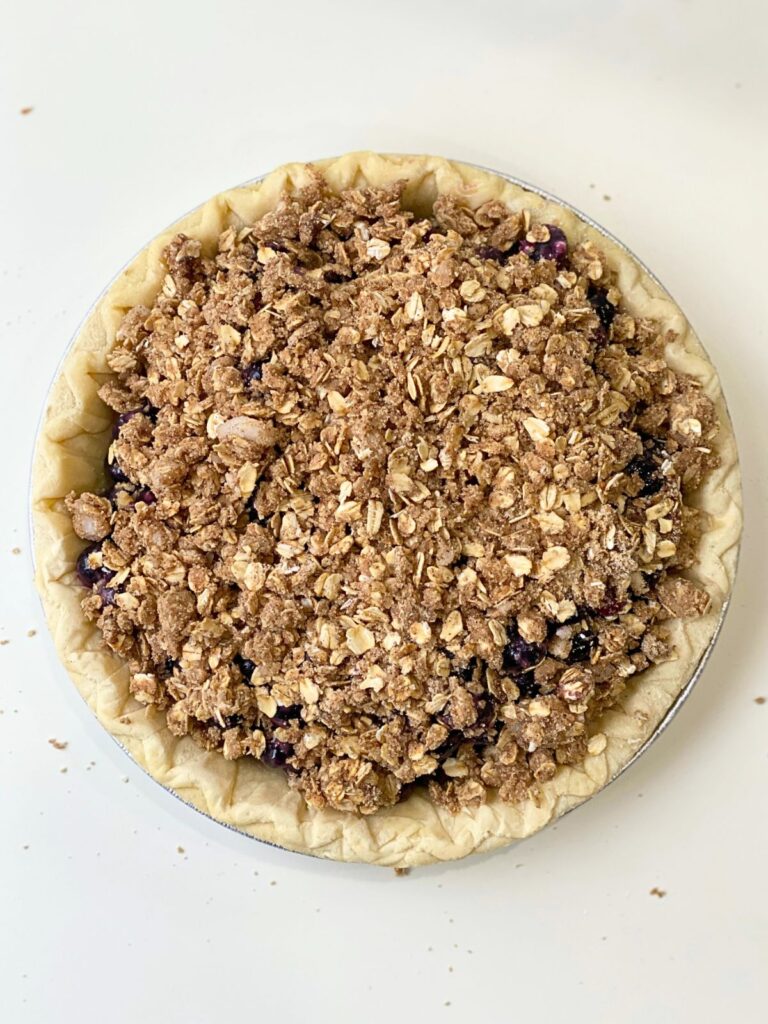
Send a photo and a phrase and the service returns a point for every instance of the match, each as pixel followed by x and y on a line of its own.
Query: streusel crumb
pixel 393 501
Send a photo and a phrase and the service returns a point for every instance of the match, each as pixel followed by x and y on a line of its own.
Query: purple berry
pixel 527 685
pixel 252 372
pixel 246 666
pixel 490 252
pixel 582 645
pixel 467 672
pixel 276 753
pixel 107 594
pixel 604 308
pixel 124 418
pixel 556 249
pixel 612 605
pixel 518 655
pixel 284 715
pixel 147 496
pixel 117 474
pixel 91 576
pixel 648 469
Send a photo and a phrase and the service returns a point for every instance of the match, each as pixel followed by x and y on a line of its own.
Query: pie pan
pixel 244 795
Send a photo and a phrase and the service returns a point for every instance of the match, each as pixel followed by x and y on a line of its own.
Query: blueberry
pixel 166 668
pixel 147 496
pixel 555 249
pixel 486 711
pixel 582 645
pixel 450 745
pixel 107 594
pixel 647 467
pixel 612 605
pixel 276 753
pixel 604 308
pixel 490 252
pixel 124 418
pixel 518 655
pixel 117 474
pixel 527 685
pixel 246 666
pixel 89 575
pixel 333 277
pixel 284 715
pixel 252 372
pixel 467 672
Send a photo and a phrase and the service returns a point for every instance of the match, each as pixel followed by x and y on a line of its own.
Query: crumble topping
pixel 393 501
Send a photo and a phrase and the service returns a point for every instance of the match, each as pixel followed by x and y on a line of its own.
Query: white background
pixel 142 110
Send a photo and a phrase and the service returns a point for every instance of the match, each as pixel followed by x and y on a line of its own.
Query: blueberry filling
pixel 527 685
pixel 648 467
pixel 252 372
pixel 276 753
pixel 612 605
pixel 605 309
pixel 582 645
pixel 555 249
pixel 246 666
pixel 284 715
pixel 518 655
pixel 124 418
pixel 467 672
pixel 117 474
pixel 91 576
pixel 490 252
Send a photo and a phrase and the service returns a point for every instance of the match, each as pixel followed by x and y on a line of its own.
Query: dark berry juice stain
pixel 556 249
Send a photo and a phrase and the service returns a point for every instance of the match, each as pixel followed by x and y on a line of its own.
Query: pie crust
pixel 74 436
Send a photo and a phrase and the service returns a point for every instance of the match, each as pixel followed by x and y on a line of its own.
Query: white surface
pixel 142 110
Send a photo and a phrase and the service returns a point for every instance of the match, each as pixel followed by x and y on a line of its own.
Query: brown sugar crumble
pixel 59 744
pixel 393 501
pixel 760 700
pixel 655 891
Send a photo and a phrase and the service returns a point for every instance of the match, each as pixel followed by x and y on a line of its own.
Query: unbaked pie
pixel 383 507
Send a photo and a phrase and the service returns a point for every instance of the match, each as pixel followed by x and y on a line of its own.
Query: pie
pixel 382 508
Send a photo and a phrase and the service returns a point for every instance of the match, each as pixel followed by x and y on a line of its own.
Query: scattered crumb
pixel 591 184
pixel 661 893
pixel 4 643
pixel 126 720
pixel 59 744
pixel 15 551
pixel 607 198
pixel 273 883
pixel 429 949
pixel 125 779
pixel 760 700
pixel 255 872
pixel 31 632
pixel 402 871
pixel 450 970
pixel 447 1002
pixel 25 847
pixel 180 849
pixel 26 110
pixel 64 770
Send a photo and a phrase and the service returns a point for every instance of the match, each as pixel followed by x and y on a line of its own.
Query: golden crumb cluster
pixel 393 501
